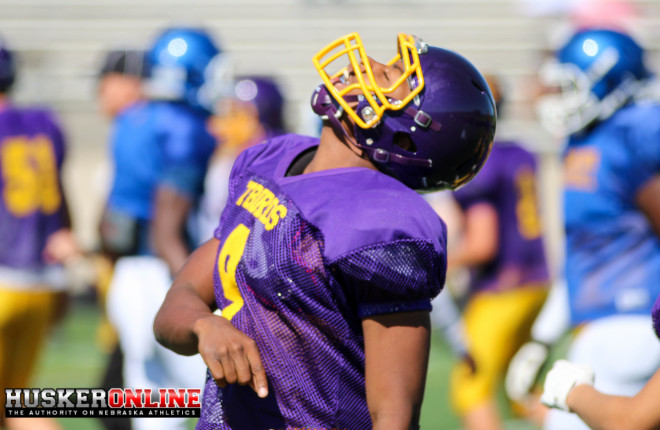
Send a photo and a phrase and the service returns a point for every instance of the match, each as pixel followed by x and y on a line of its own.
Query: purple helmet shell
pixel 449 127
pixel 264 93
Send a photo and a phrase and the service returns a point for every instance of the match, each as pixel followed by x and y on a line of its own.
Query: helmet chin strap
pixel 328 110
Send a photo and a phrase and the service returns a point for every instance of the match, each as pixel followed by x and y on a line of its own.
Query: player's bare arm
pixel 168 224
pixel 648 202
pixel 397 349
pixel 479 242
pixel 186 324
pixel 604 412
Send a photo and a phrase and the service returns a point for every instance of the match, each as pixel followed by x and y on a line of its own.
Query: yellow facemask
pixel 409 48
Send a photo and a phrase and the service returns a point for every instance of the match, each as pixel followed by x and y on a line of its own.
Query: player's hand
pixel 231 356
pixel 61 247
pixel 524 368
pixel 561 379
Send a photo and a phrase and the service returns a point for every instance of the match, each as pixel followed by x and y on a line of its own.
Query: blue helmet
pixel 597 71
pixel 7 68
pixel 186 65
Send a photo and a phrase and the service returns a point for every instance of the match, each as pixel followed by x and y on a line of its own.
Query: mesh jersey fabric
pixel 317 253
pixel 32 151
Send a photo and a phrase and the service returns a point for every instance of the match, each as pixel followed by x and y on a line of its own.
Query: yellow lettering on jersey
pixel 276 215
pixel 29 169
pixel 230 255
pixel 262 203
pixel 580 168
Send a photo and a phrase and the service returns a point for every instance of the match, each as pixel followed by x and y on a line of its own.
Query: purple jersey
pixel 302 260
pixel 507 183
pixel 31 204
pixel 656 317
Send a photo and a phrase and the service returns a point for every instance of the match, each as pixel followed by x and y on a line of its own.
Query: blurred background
pixel 60 45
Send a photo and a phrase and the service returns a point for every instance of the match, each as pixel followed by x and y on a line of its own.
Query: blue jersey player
pixel 612 215
pixel 160 149
pixel 325 260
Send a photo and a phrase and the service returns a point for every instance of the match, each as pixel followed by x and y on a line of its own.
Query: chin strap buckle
pixel 380 155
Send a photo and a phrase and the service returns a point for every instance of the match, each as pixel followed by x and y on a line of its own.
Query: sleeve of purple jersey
pixel 400 276
pixel 656 317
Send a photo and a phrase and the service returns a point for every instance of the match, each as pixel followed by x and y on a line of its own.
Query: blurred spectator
pixel 160 149
pixel 35 237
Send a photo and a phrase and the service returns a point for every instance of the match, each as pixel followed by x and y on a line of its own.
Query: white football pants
pixel 137 290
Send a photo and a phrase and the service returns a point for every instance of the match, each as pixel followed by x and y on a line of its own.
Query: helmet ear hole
pixel 403 141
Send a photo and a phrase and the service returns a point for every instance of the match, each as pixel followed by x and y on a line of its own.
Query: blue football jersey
pixel 612 252
pixel 157 144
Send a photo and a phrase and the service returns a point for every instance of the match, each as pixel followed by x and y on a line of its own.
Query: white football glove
pixel 561 379
pixel 523 370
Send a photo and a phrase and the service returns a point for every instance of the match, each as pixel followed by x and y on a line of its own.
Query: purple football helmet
pixel 448 118
pixel 264 93
pixel 7 68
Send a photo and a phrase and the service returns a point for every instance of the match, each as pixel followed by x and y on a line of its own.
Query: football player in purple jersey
pixel 34 235
pixel 326 259
pixel 501 243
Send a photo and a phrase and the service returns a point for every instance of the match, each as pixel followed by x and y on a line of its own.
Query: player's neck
pixel 4 101
pixel 335 152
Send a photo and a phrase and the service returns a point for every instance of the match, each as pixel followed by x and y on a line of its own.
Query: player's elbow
pixel 401 417
pixel 161 328
pixel 486 251
pixel 165 331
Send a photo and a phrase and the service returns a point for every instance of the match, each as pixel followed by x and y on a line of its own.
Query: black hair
pixel 125 62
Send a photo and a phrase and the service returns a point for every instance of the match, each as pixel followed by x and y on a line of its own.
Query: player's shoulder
pixel 366 208
pixel 634 128
pixel 637 119
pixel 173 115
pixel 637 113
pixel 265 157
pixel 34 115
pixel 33 120
pixel 508 152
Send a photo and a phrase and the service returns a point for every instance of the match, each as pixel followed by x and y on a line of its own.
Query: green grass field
pixel 73 359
